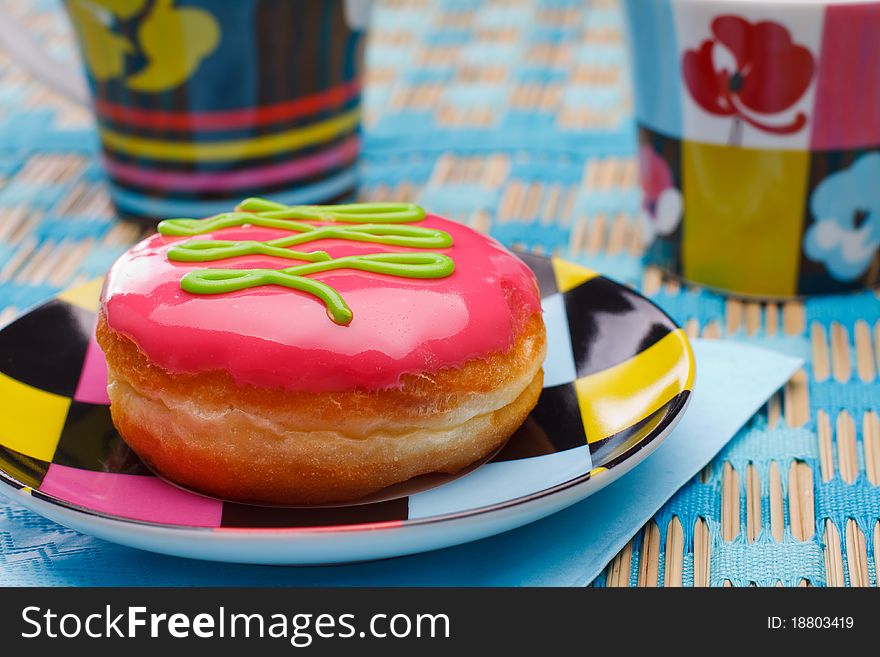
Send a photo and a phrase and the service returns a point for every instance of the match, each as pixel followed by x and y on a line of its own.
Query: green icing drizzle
pixel 264 213
pixel 412 236
pixel 405 265
pixel 260 212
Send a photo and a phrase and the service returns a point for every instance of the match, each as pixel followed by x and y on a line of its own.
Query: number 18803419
pixel 810 623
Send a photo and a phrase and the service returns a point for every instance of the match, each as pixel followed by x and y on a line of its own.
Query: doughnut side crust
pixel 287 447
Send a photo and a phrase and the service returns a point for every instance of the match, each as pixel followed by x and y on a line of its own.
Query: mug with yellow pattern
pixel 759 141
pixel 202 101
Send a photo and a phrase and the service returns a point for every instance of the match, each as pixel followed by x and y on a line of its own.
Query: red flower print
pixel 661 202
pixel 772 73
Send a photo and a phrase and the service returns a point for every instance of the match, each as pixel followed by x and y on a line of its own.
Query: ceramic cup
pixel 200 103
pixel 759 141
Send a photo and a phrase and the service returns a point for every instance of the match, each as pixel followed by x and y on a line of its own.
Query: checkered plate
pixel 618 376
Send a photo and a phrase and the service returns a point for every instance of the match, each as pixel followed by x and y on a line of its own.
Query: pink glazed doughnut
pixel 312 355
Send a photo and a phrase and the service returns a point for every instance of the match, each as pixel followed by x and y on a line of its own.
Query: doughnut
pixel 303 355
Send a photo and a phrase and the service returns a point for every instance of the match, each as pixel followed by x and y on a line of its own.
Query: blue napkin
pixel 568 549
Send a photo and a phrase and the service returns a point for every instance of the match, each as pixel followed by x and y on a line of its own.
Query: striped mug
pixel 759 141
pixel 199 102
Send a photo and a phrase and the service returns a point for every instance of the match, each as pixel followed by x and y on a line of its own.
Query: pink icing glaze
pixel 276 337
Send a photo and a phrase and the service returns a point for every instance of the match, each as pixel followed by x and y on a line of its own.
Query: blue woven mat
pixel 514 117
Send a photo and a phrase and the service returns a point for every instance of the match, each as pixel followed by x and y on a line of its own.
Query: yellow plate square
pixel 31 420
pixel 617 398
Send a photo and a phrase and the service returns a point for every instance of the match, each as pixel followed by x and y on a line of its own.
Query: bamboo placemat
pixel 514 116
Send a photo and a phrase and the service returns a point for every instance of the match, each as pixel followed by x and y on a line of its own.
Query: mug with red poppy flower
pixel 759 141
